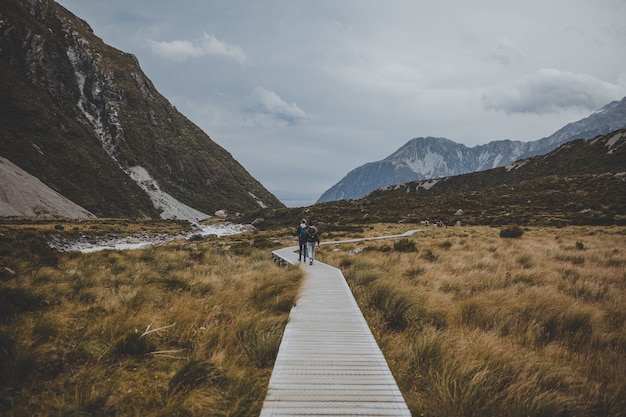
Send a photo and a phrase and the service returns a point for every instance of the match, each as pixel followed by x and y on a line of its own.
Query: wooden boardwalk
pixel 328 363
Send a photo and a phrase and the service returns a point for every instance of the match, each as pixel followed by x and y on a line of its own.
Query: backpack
pixel 302 232
pixel 312 234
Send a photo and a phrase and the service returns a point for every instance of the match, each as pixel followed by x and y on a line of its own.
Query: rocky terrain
pixel 84 119
pixel 21 194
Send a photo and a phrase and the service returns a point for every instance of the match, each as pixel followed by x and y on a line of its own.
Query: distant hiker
pixel 312 237
pixel 301 231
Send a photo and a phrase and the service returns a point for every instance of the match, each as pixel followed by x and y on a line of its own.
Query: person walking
pixel 312 237
pixel 301 231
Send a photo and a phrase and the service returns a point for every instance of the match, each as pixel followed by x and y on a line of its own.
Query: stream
pixel 87 244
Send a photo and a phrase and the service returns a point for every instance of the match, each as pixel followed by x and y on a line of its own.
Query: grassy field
pixel 472 323
pixel 183 329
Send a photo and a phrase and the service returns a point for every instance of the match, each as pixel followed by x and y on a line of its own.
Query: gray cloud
pixel 506 53
pixel 551 90
pixel 266 103
pixel 208 45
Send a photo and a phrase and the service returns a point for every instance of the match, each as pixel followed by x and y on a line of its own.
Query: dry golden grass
pixel 176 330
pixel 470 323
pixel 475 324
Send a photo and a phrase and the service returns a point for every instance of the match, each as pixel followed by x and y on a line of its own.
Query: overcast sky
pixel 302 92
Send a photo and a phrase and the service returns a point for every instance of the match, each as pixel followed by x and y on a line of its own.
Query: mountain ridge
pixel 580 182
pixel 81 116
pixel 428 157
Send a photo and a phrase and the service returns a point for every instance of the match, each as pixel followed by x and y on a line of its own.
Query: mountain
pixel 83 118
pixel 427 158
pixel 580 182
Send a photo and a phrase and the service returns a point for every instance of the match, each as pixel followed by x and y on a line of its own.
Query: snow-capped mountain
pixel 427 157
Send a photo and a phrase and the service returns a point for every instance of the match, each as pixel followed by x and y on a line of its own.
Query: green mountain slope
pixel 79 115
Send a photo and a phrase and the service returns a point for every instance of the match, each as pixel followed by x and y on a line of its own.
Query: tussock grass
pixel 473 324
pixel 182 329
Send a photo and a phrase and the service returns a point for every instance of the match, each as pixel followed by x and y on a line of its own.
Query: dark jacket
pixel 312 235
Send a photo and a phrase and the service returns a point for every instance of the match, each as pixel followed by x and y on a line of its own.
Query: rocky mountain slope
pixel 84 119
pixel 23 195
pixel 427 158
pixel 580 182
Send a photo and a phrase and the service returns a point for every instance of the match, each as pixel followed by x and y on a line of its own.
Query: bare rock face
pixel 21 194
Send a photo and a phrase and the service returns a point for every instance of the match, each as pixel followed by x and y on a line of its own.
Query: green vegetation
pixel 472 324
pixel 182 329
pixel 43 131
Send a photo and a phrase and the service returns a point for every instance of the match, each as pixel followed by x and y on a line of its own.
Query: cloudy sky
pixel 303 91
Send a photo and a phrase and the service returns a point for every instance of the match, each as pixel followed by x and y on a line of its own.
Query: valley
pixel 192 326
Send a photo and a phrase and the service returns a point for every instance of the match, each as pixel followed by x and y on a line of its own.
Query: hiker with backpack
pixel 301 231
pixel 313 237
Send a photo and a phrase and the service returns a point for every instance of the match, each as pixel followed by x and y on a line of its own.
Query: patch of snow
pixel 428 164
pixel 483 159
pixel 459 155
pixel 171 207
pixel 427 185
pixel 258 201
pixel 96 122
pixel 611 142
pixel 37 148
pixel 514 165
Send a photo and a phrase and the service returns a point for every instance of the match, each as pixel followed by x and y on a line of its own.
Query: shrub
pixel 275 295
pixel 174 283
pixel 133 344
pixel 512 232
pixel 194 374
pixel 19 300
pixel 404 245
pixel 241 249
pixel 570 327
pixel 262 242
pixel 446 244
pixel 8 353
pixel 260 340
pixel 525 261
pixel 345 263
pixel 429 255
pixel 395 307
pixel 414 272
pixel 426 350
